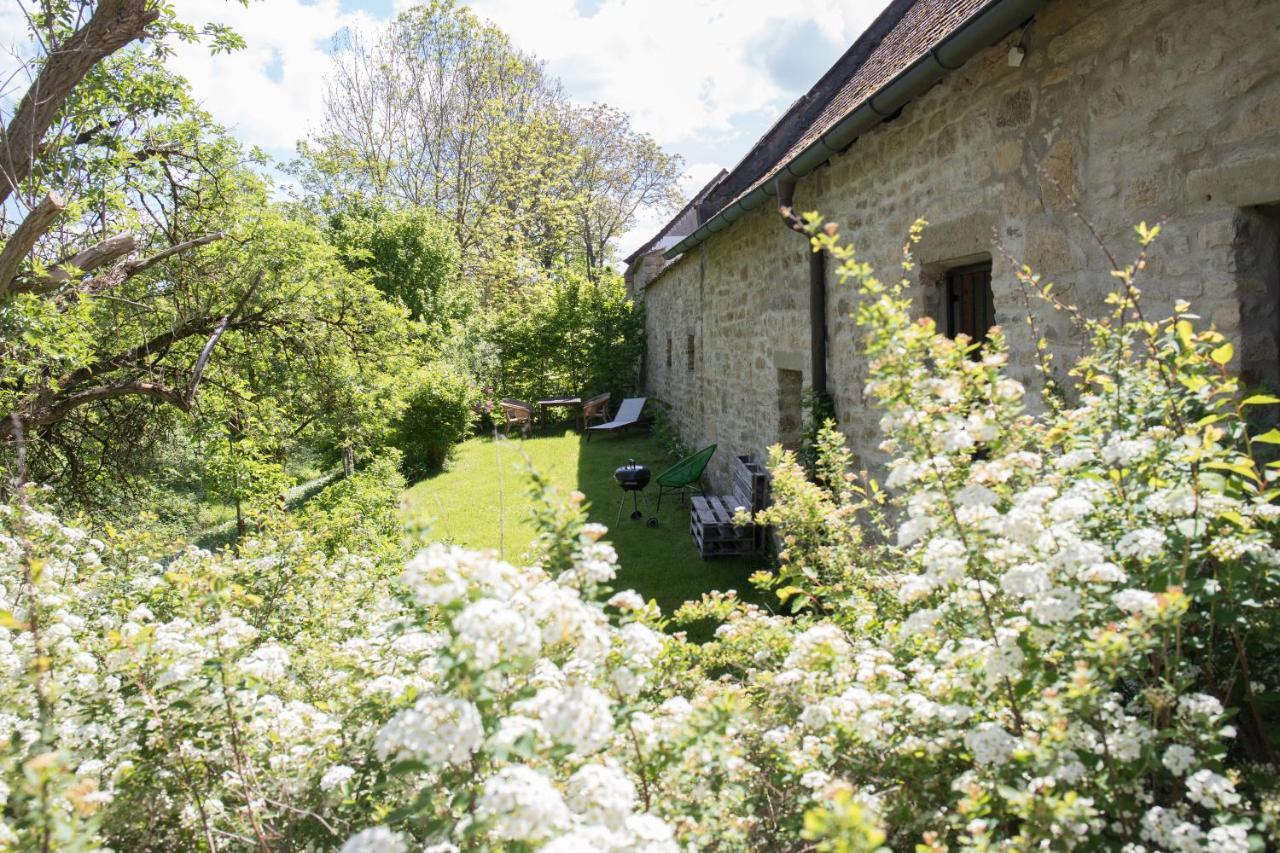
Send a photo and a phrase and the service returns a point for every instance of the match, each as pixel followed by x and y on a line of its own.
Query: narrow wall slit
pixel 790 405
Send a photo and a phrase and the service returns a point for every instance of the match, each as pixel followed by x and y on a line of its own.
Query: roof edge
pixel 698 197
pixel 985 27
pixel 774 143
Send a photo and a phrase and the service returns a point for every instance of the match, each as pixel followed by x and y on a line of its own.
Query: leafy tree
pixel 411 256
pixel 145 269
pixel 416 113
pixel 562 333
pixel 616 172
pixel 442 111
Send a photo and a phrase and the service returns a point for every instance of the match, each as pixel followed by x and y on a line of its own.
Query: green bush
pixel 564 334
pixel 439 414
pixel 411 256
pixel 359 513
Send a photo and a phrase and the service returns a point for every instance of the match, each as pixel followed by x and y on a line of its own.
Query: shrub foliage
pixel 1062 635
pixel 565 334
pixel 438 415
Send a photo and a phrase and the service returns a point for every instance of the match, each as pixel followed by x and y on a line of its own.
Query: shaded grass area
pixel 481 501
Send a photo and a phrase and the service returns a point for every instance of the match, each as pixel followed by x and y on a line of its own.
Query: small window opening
pixel 689 353
pixel 970 305
pixel 790 403
pixel 668 350
pixel 1257 250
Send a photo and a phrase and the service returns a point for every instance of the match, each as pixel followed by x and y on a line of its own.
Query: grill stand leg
pixel 636 498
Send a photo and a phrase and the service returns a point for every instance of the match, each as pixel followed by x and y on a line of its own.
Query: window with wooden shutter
pixel 970 306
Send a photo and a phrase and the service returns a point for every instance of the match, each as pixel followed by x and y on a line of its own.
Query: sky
pixel 704 77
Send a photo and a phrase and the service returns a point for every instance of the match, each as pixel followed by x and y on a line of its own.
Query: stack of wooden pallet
pixel 711 519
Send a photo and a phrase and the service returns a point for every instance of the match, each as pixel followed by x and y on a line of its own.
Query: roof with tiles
pixel 680 225
pixel 903 34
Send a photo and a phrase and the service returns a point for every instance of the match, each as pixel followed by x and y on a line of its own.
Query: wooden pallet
pixel 750 483
pixel 711 518
pixel 713 530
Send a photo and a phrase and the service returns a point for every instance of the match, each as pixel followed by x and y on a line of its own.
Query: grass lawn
pixel 481 501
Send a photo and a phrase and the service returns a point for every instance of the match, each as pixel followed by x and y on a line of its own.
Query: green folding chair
pixel 685 475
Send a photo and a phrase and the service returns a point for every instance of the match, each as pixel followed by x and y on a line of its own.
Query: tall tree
pixel 418 112
pixel 442 111
pixel 410 255
pixel 143 263
pixel 617 171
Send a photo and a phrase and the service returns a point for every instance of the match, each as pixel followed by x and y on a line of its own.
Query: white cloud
pixel 272 92
pixel 684 69
pixel 704 77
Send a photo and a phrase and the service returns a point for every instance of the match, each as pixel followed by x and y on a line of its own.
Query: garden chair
pixel 685 475
pixel 596 409
pixel 628 415
pixel 519 414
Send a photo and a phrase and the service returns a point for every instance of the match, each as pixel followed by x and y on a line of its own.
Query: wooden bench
pixel 711 518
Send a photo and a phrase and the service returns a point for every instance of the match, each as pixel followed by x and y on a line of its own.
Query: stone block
pixel 1242 183
pixel 1142 193
pixel 1007 156
pixel 1060 173
pixel 1048 251
pixel 1216 234
pixel 1014 109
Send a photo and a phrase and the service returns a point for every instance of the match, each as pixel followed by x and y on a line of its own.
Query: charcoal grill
pixel 632 478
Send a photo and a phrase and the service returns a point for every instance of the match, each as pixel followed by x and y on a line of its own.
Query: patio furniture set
pixel 595 413
pixel 712 518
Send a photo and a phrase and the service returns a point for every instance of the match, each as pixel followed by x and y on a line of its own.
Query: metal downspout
pixel 817 292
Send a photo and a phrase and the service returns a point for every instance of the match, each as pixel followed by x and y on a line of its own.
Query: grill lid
pixel 632 475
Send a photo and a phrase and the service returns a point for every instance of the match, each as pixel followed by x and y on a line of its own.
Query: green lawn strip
pixel 484 490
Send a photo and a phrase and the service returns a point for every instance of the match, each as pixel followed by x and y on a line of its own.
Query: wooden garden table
pixel 553 402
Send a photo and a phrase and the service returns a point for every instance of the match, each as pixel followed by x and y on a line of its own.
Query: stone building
pixel 985 117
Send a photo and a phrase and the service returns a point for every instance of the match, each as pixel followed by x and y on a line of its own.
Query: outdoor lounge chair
pixel 517 413
pixel 596 409
pixel 628 414
pixel 685 475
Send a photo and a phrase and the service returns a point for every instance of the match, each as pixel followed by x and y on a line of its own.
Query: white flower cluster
pixel 514 630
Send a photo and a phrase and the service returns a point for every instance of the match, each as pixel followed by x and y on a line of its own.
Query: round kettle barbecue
pixel 633 477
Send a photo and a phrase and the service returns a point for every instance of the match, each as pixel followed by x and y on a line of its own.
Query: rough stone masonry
pixel 1138 109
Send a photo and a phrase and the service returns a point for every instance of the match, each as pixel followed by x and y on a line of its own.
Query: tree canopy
pixel 442 111
pixel 145 264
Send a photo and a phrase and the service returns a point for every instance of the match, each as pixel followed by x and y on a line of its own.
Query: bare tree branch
pixel 198 371
pixel 86 260
pixel 19 244
pixel 114 24
pixel 45 408
pixel 142 264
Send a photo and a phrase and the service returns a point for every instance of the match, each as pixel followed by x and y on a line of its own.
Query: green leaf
pixel 787 591
pixel 420 804
pixel 1223 354
pixel 1259 400
pixel 1243 468
pixel 1270 437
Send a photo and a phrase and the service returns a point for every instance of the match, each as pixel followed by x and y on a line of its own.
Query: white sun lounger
pixel 628 414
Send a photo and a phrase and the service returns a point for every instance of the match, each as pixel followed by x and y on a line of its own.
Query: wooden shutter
pixel 970 305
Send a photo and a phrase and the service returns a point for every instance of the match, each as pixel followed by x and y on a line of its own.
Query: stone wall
pixel 1139 109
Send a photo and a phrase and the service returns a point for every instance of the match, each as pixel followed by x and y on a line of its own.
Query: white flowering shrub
pixel 1054 627
pixel 1068 638
pixel 285 697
